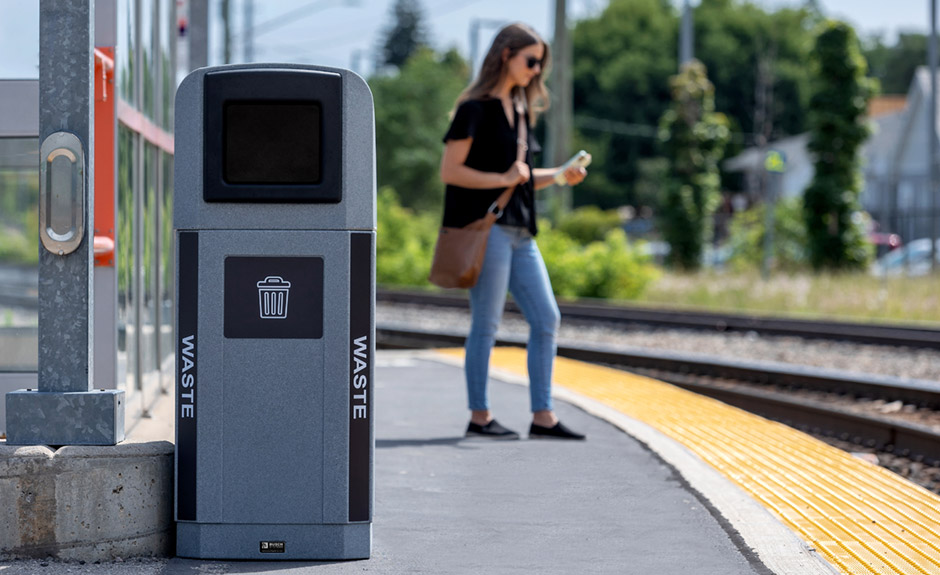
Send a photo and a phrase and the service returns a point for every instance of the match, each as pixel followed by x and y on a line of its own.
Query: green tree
pixel 693 137
pixel 411 117
pixel 622 63
pixel 732 38
pixel 838 127
pixel 405 34
pixel 894 66
pixel 621 67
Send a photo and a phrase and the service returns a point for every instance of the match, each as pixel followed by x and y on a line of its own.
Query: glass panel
pixel 127 359
pixel 148 276
pixel 19 40
pixel 168 85
pixel 19 253
pixel 126 39
pixel 167 262
pixel 147 43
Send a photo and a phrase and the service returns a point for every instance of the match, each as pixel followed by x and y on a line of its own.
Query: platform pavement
pixel 445 504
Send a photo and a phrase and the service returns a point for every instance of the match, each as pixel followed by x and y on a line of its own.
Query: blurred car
pixel 912 259
pixel 884 243
pixel 656 249
pixel 717 256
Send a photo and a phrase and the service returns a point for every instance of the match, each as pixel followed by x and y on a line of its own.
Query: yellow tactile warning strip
pixel 862 518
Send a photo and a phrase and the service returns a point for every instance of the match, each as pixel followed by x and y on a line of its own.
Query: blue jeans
pixel 512 261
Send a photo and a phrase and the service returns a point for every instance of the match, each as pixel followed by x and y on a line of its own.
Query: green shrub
pixel 747 232
pixel 611 268
pixel 404 242
pixel 15 247
pixel 589 224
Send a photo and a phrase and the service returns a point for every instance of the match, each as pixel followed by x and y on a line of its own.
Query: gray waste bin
pixel 274 213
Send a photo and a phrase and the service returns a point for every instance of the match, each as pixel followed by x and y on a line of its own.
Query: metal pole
pixel 560 114
pixel 932 138
pixel 66 103
pixel 66 409
pixel 773 182
pixel 198 34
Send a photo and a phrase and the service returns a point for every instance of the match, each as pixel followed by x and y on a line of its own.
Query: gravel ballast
pixel 864 358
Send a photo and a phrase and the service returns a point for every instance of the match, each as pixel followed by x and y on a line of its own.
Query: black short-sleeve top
pixel 493 150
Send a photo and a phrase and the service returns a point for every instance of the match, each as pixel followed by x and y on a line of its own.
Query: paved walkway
pixel 445 504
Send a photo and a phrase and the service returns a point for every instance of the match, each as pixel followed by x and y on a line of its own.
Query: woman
pixel 479 163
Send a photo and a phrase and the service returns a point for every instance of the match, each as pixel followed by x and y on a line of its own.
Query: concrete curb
pixel 86 503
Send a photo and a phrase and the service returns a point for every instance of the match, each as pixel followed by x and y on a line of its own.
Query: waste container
pixel 274 214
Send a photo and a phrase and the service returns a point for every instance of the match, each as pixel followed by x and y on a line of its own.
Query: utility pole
pixel 932 138
pixel 770 176
pixel 474 32
pixel 476 25
pixel 558 144
pixel 226 9
pixel 248 37
pixel 686 36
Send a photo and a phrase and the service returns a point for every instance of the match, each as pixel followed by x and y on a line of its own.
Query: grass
pixel 851 297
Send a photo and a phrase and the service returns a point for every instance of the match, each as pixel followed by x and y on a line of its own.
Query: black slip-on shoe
pixel 492 430
pixel 559 431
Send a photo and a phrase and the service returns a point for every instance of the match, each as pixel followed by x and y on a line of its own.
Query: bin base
pixel 282 541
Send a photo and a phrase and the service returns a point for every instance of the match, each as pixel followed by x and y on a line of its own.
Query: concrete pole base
pixel 87 503
pixel 65 418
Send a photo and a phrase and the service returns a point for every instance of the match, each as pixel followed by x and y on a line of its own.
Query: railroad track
pixel 881 334
pixel 711 377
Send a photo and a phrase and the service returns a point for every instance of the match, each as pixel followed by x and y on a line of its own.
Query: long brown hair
pixel 515 37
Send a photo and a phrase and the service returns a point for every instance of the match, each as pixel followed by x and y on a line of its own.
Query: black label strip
pixel 360 376
pixel 186 328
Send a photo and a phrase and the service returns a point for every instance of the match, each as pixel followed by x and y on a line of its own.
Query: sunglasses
pixel 531 61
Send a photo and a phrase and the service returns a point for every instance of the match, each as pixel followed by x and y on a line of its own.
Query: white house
pixel 896 170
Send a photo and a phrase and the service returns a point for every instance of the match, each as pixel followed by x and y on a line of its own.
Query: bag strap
pixel 522 147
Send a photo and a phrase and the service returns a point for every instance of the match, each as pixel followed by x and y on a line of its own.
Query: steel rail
pixel 872 333
pixel 688 371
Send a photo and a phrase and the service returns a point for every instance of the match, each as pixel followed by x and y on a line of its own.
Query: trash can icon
pixel 272 297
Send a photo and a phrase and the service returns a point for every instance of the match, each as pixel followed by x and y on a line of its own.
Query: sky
pixel 346 33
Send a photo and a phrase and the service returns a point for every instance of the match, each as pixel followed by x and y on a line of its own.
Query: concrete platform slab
pixel 446 504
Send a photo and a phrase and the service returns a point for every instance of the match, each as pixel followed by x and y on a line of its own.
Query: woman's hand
pixel 517 174
pixel 575 175
pixel 545 177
